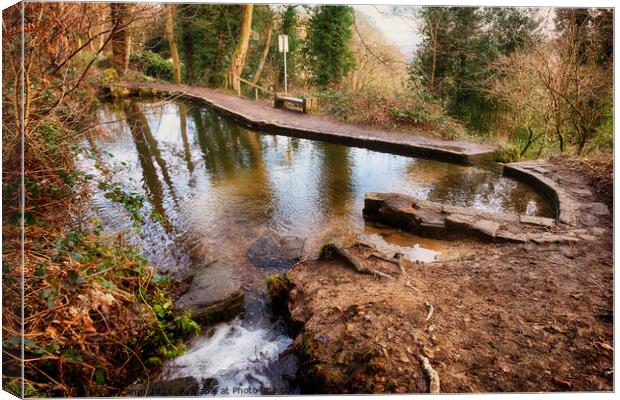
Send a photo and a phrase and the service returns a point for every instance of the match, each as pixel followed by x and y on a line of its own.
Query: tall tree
pixel 172 43
pixel 263 58
pixel 121 39
pixel 459 44
pixel 238 58
pixel 208 34
pixel 328 43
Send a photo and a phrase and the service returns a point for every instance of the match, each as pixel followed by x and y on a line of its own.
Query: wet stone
pixel 214 294
pixel 275 252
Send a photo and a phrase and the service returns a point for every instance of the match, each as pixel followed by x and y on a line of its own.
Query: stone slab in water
pixel 271 251
pixel 417 216
pixel 214 294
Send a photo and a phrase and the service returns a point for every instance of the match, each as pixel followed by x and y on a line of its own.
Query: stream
pixel 212 188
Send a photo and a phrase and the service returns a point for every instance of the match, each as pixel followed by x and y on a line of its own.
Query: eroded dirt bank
pixel 505 317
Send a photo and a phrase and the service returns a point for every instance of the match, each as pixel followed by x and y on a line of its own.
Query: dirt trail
pixel 508 317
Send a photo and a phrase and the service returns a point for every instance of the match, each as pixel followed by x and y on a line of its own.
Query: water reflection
pixel 219 188
pixel 248 185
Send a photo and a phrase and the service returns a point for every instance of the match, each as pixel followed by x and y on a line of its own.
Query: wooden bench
pixel 307 104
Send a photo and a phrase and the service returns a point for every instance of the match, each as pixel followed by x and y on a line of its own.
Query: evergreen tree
pixel 327 44
pixel 290 23
pixel 459 45
pixel 208 37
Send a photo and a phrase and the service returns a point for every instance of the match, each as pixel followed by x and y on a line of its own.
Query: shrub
pixel 410 108
pixel 152 64
pixel 507 153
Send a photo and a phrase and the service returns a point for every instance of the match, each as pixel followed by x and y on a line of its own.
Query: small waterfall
pixel 235 359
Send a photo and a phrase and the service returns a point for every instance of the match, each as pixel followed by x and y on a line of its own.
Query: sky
pixel 400 29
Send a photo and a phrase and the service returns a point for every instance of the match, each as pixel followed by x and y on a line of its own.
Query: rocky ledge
pixel 214 294
pixel 426 218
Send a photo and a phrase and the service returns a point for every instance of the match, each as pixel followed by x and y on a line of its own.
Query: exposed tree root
pixel 433 376
pixel 332 248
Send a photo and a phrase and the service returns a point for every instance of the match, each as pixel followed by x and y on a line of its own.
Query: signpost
pixel 283 48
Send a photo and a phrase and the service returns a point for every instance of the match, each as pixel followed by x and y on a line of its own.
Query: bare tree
pixel 263 58
pixel 172 43
pixel 121 39
pixel 238 58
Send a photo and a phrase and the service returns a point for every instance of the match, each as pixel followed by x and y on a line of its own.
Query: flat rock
pixel 271 251
pixel 586 237
pixel 597 231
pixel 534 220
pixel 547 238
pixel 582 192
pixel 511 237
pixel 597 208
pixel 460 221
pixel 487 227
pixel 214 295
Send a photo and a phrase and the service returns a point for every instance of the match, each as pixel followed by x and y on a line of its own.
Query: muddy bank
pixel 505 317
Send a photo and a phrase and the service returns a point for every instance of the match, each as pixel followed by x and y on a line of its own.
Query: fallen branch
pixel 381 257
pixel 432 375
pixel 430 308
pixel 333 248
pixel 410 286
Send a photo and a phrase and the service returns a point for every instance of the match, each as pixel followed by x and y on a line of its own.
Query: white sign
pixel 283 43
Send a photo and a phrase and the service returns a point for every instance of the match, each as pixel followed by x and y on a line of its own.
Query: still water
pixel 212 188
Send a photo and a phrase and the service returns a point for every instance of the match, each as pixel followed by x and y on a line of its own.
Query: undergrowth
pixel 96 315
pixel 409 109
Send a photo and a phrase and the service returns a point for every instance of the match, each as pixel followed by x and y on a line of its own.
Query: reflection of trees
pixel 146 146
pixel 186 151
pixel 232 155
pixel 335 185
pixel 470 186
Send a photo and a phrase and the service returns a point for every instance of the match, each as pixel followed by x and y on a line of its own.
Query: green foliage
pixel 110 75
pixel 459 44
pixel 328 44
pixel 507 153
pixel 152 64
pixel 208 34
pixel 132 202
pixel 166 338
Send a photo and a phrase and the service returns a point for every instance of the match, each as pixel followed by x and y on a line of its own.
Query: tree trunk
pixel 176 63
pixel 434 30
pixel 120 38
pixel 263 58
pixel 189 57
pixel 238 59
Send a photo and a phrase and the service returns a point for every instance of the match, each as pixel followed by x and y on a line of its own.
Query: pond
pixel 214 189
